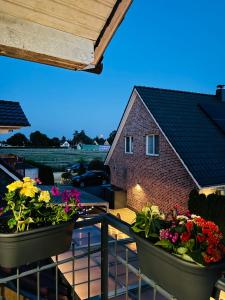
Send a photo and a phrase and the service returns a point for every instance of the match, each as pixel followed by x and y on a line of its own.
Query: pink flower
pixel 75 193
pixel 66 196
pixel 38 181
pixel 55 191
pixel 67 209
pixel 164 234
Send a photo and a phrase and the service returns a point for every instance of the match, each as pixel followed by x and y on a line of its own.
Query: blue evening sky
pixel 169 44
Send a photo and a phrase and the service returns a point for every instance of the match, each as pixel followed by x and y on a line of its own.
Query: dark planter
pixel 183 280
pixel 17 249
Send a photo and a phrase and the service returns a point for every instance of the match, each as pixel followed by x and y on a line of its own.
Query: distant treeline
pixel 38 139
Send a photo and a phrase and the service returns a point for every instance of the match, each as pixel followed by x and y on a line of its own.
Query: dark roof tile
pixel 196 138
pixel 11 114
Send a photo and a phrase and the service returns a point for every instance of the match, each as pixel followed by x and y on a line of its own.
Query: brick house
pixel 169 142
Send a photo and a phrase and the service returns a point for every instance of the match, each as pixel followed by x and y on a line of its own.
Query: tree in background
pixel 39 139
pixel 63 139
pixel 18 139
pixel 100 140
pixel 111 137
pixel 81 138
pixel 55 142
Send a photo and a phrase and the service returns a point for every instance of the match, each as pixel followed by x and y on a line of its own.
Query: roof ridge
pixel 172 90
pixel 10 101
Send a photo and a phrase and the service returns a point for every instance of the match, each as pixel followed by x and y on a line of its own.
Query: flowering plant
pixel 29 207
pixel 190 237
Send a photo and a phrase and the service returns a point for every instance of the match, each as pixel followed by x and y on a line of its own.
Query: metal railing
pixel 102 254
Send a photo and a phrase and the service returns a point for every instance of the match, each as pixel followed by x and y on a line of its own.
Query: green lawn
pixel 58 159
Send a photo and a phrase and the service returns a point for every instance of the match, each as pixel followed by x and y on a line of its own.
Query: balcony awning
pixel 71 34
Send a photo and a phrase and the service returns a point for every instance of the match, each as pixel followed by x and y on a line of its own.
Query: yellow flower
pixel 15 185
pixel 44 196
pixel 29 190
pixel 28 179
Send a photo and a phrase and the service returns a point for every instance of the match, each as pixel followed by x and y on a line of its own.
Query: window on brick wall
pixel 128 144
pixel 152 145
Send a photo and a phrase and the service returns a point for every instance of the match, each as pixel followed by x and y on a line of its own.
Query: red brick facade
pixel 162 179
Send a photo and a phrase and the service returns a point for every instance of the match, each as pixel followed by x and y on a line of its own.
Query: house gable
pixel 162 179
pixel 133 97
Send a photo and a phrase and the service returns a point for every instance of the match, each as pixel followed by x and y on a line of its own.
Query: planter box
pixel 183 280
pixel 17 249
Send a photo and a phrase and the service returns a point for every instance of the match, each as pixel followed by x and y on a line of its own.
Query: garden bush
pixel 211 207
pixel 96 164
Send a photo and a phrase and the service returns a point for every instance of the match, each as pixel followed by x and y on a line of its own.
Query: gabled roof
pixel 198 141
pixel 196 138
pixel 12 115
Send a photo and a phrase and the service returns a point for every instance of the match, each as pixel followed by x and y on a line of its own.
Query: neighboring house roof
pixel 12 115
pixel 197 138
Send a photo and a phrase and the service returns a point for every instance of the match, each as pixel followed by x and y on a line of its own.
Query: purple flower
pixel 165 234
pixel 67 209
pixel 75 194
pixel 55 191
pixel 66 196
pixel 175 237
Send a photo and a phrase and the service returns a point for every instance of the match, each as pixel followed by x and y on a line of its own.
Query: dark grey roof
pixel 196 138
pixel 11 114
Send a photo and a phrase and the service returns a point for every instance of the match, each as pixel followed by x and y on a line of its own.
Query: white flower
pixel 182 217
pixel 155 210
pixel 146 210
pixel 162 216
pixel 194 216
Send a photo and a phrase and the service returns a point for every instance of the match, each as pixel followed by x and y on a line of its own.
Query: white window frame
pixel 130 144
pixel 146 145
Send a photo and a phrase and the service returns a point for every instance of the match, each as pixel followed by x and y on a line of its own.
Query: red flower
pixel 185 236
pixel 200 238
pixel 189 226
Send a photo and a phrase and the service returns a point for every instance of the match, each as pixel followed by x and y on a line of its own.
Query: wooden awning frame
pixel 18 40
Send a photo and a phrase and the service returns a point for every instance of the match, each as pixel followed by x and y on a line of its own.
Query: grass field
pixel 58 159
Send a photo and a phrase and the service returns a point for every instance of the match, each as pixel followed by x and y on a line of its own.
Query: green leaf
pixel 190 244
pixel 182 250
pixel 165 244
pixel 136 229
pixel 11 223
pixel 187 257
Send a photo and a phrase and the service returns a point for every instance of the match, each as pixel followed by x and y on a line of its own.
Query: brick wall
pixel 161 180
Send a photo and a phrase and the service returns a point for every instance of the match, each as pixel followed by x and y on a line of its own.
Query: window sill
pixel 152 155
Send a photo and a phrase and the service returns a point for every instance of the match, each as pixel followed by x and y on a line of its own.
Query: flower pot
pixel 183 280
pixel 17 249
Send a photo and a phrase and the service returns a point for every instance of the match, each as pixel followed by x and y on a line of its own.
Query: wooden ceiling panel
pixel 71 34
pixel 84 18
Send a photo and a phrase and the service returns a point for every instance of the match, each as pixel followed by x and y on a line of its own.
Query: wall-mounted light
pixel 138 187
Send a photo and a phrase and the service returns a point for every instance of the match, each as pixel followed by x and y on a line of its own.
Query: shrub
pixel 96 164
pixel 66 175
pixel 211 207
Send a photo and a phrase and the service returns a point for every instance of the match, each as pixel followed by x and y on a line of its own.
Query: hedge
pixel 211 207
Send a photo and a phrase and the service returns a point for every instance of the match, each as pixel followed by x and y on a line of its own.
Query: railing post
pixel 104 260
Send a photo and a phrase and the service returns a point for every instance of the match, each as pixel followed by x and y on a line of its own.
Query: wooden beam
pixel 30 41
pixel 111 29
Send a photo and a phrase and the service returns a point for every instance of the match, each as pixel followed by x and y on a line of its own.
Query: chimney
pixel 220 92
